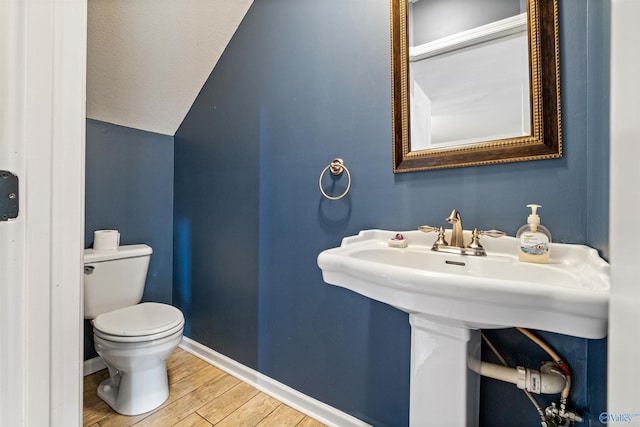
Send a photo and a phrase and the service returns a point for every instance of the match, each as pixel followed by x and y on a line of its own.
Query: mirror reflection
pixel 468 64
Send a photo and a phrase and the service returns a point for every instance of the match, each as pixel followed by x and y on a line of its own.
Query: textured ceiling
pixel 148 59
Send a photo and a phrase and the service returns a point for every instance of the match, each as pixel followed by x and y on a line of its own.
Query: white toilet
pixel 134 340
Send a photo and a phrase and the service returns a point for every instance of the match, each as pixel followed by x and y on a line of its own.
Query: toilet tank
pixel 114 279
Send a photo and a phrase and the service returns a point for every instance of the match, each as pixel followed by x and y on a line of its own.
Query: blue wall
pixel 129 187
pixel 304 81
pixel 250 221
pixel 276 313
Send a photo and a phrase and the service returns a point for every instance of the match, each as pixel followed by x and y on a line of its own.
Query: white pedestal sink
pixel 451 297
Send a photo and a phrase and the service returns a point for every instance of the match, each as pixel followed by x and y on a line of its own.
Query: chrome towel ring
pixel 336 167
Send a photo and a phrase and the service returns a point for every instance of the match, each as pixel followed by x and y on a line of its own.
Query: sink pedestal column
pixel 444 391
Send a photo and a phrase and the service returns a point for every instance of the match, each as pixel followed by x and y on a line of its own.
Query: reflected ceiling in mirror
pixel 481 89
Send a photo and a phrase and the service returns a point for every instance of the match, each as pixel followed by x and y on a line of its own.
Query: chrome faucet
pixel 457 245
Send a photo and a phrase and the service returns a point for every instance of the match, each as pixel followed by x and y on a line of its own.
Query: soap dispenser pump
pixel 534 239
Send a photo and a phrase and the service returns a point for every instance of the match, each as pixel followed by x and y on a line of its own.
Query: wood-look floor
pixel 200 395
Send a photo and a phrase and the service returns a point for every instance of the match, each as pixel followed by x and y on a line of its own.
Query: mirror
pixel 468 92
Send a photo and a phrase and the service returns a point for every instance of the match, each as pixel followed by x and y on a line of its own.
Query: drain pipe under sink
pixel 549 380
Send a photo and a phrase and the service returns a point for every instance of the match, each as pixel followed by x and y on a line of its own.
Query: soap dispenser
pixel 533 239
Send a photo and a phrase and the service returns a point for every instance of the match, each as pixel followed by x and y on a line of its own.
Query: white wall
pixel 148 59
pixel 624 326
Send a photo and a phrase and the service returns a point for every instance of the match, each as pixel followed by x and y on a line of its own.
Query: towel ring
pixel 336 167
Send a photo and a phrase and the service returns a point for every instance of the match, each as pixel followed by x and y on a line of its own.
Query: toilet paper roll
pixel 106 240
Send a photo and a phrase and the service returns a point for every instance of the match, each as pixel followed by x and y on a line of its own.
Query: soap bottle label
pixel 534 243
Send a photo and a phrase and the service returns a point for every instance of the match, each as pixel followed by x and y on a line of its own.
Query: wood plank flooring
pixel 200 395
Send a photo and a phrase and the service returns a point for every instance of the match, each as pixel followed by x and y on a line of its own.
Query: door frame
pixel 42 137
pixel 624 317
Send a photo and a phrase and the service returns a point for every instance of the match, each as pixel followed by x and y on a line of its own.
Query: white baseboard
pixel 307 405
pixel 93 365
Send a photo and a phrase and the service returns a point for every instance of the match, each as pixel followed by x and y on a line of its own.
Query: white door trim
pixel 624 316
pixel 42 120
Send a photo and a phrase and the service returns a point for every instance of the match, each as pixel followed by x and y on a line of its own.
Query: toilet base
pixel 138 381
pixel 134 393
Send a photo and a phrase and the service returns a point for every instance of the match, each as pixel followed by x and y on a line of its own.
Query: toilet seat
pixel 139 323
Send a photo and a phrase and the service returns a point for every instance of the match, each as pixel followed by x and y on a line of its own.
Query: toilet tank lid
pixel 125 251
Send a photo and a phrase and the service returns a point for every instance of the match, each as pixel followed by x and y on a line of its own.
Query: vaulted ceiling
pixel 148 59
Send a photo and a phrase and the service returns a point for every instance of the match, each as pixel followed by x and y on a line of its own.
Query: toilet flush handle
pixel 88 269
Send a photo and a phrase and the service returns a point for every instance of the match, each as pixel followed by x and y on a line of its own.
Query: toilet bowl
pixel 134 343
pixel 134 340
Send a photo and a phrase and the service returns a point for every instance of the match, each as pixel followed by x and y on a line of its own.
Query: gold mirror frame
pixel 545 141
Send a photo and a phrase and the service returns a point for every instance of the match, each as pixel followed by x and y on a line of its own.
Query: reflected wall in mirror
pixel 475 82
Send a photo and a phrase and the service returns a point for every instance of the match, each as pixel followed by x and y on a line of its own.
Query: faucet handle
pixel 475 239
pixel 428 228
pixel 493 233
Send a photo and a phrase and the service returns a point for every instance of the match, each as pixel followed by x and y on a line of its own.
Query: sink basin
pixel 569 295
pixel 450 297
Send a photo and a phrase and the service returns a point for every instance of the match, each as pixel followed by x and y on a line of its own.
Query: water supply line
pixel 556 358
pixel 554 377
pixel 553 411
pixel 504 363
